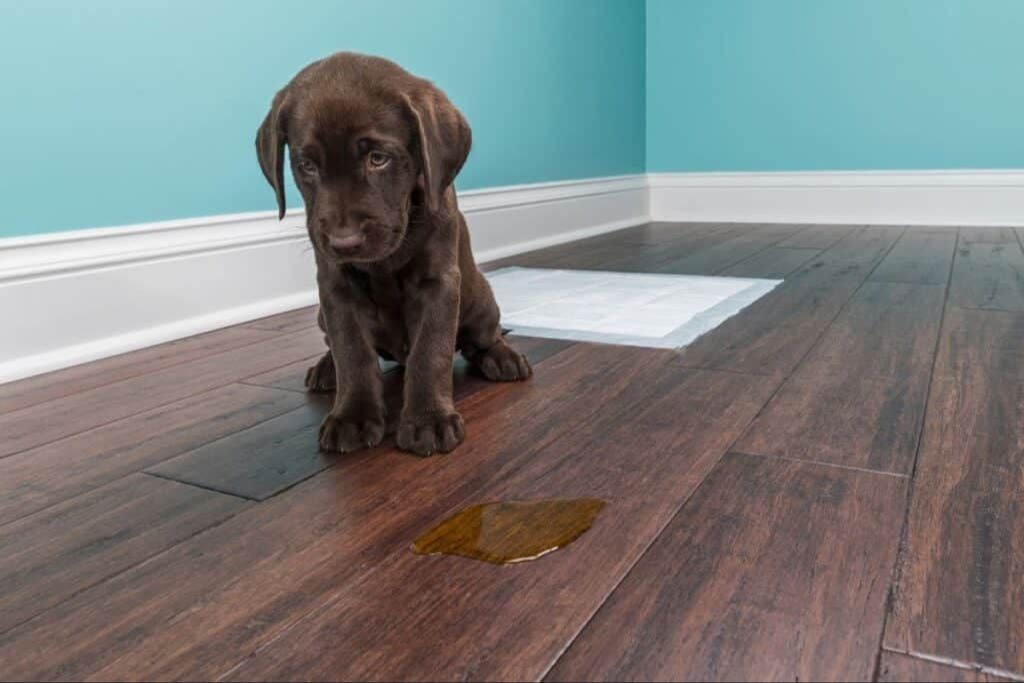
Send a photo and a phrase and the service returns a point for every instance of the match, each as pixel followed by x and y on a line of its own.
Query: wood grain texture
pixel 817 236
pixel 775 570
pixel 631 249
pixel 963 563
pixel 292 321
pixel 265 459
pixel 317 580
pixel 56 419
pixel 865 246
pixel 43 476
pixel 773 262
pixel 995 235
pixel 53 385
pixel 859 397
pixel 718 257
pixel 921 257
pixel 443 618
pixel 771 335
pixel 886 330
pixel 70 547
pixel 246 581
pixel 897 668
pixel 260 461
pixel 988 276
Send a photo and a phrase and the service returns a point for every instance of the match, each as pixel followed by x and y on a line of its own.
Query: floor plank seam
pixel 205 487
pixel 896 575
pixel 146 410
pixel 142 372
pixel 958 664
pixel 128 568
pixel 271 386
pixel 825 328
pixel 766 247
pixel 862 470
pixel 330 600
pixel 543 675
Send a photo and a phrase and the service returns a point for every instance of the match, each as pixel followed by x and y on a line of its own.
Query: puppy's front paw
pixel 439 434
pixel 320 377
pixel 350 431
pixel 502 363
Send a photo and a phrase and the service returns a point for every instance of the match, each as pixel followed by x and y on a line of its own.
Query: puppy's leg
pixel 429 423
pixel 321 377
pixel 482 343
pixel 357 419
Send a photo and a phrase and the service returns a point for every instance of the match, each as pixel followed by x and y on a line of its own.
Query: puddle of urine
pixel 510 531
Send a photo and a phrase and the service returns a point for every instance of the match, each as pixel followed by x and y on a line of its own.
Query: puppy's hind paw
pixel 502 363
pixel 320 377
pixel 344 434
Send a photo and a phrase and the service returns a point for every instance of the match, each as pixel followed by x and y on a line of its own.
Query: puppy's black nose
pixel 346 241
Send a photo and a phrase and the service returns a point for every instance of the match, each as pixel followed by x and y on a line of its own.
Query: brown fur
pixel 374 151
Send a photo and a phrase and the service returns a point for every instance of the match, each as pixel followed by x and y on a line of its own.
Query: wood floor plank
pixel 897 668
pixel 56 419
pixel 275 455
pixel 964 555
pixel 774 570
pixel 772 334
pixel 659 233
pixel 988 275
pixel 921 257
pixel 40 477
pixel 53 385
pixel 773 262
pixel 292 321
pixel 886 330
pixel 258 462
pixel 645 465
pixel 716 258
pixel 292 377
pixel 995 235
pixel 246 581
pixel 859 397
pixel 817 236
pixel 866 246
pixel 631 249
pixel 54 554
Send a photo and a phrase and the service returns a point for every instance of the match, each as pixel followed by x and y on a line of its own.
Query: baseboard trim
pixel 87 294
pixel 959 198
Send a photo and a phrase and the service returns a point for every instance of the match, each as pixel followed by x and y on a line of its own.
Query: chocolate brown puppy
pixel 374 151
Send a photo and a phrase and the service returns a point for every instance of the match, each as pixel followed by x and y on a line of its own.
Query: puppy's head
pixel 368 143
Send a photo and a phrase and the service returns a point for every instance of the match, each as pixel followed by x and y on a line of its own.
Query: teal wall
pixel 771 85
pixel 126 111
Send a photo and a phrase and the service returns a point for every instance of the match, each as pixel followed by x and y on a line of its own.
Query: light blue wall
pixel 125 111
pixel 766 85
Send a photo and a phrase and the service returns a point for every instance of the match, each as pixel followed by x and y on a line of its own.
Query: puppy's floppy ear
pixel 270 140
pixel 443 140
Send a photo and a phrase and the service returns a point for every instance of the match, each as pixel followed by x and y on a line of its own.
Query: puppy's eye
pixel 306 166
pixel 378 159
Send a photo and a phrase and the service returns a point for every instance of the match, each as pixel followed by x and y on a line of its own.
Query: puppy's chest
pixel 385 312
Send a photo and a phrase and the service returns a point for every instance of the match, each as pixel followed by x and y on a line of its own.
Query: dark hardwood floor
pixel 828 486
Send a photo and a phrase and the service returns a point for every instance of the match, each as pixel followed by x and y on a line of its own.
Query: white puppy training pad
pixel 635 309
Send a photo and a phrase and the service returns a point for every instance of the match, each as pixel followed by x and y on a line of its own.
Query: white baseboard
pixel 963 198
pixel 72 297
